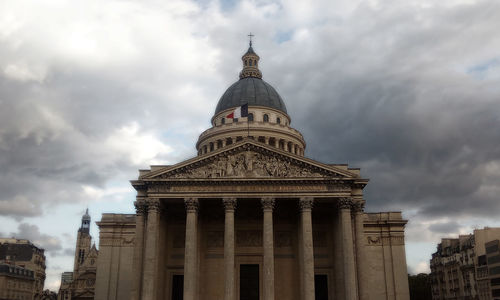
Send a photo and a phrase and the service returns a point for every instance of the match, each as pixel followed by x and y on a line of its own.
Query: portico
pixel 250 223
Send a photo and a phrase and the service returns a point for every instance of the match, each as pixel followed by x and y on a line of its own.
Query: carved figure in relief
pixel 247 163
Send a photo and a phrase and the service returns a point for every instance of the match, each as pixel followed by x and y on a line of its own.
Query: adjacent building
pixel 251 217
pixel 80 284
pixel 21 253
pixel 16 283
pixel 467 267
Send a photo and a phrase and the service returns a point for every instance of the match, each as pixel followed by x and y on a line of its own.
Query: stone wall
pixel 114 264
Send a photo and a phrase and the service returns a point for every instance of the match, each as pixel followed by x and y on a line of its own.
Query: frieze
pixel 117 241
pixel 215 239
pixel 252 188
pixel 249 164
pixel 249 238
pixel 396 240
pixel 283 239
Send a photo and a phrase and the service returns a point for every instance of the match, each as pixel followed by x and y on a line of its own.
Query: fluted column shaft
pixel 361 263
pixel 229 291
pixel 140 208
pixel 306 204
pixel 350 286
pixel 268 240
pixel 191 249
pixel 151 250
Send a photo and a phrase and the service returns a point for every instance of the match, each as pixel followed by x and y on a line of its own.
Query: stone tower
pixel 83 242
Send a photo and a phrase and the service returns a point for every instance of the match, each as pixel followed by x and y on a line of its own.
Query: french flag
pixel 239 112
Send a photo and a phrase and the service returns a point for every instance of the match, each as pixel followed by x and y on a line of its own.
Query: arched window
pixel 250 63
pixel 250 117
pixel 255 63
pixel 278 120
pixel 246 62
pixel 211 147
pixel 266 118
pixel 223 121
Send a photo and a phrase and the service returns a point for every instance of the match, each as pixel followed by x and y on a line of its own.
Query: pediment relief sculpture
pixel 250 164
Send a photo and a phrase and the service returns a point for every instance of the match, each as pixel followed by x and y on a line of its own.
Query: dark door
pixel 321 287
pixel 249 282
pixel 177 287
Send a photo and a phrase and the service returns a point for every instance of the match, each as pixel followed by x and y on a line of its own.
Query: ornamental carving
pixel 249 164
pixel 249 238
pixel 229 204
pixel 215 239
pixel 306 203
pixel 140 207
pixel 344 203
pixel 358 206
pixel 395 240
pixel 191 204
pixel 283 239
pixel 153 205
pixel 267 203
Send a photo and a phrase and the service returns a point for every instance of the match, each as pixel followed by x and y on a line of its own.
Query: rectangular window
pixel 493 259
pixel 494 270
pixel 492 249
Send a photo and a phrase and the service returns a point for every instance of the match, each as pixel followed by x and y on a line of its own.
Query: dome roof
pixel 251 90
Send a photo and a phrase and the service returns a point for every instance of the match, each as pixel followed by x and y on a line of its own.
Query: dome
pixel 251 90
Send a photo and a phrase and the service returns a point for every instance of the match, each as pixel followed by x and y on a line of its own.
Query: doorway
pixel 320 287
pixel 249 282
pixel 177 287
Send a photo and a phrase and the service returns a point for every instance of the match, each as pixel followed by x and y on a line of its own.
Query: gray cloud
pixel 409 93
pixel 51 244
pixel 445 228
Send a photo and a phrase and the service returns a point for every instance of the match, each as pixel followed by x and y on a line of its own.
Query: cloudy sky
pixel 92 91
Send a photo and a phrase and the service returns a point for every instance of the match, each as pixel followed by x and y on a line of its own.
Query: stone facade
pixel 251 218
pixel 80 284
pixel 16 283
pixel 22 253
pixel 460 266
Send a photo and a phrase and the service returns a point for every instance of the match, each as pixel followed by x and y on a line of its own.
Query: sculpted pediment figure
pixel 248 160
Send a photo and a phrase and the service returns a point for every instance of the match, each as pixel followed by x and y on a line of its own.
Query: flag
pixel 239 112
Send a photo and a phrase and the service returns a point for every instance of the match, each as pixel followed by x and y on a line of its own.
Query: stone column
pixel 361 263
pixel 266 140
pixel 191 249
pixel 268 241
pixel 229 291
pixel 151 254
pixel 140 208
pixel 307 258
pixel 224 142
pixel 350 287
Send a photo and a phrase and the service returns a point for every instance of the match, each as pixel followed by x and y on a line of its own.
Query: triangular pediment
pixel 249 159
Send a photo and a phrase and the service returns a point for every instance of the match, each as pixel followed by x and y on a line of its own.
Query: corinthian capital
pixel 153 205
pixel 344 203
pixel 140 207
pixel 358 206
pixel 306 203
pixel 191 204
pixel 229 204
pixel 267 203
